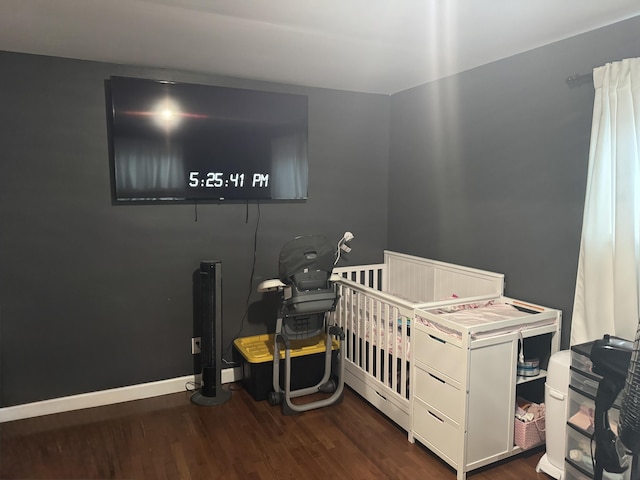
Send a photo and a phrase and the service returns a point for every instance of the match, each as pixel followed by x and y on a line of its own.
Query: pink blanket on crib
pixel 473 315
pixel 382 332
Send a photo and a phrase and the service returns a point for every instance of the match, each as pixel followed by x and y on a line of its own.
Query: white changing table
pixel 465 383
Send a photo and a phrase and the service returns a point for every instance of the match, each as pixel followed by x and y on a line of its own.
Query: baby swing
pixel 308 298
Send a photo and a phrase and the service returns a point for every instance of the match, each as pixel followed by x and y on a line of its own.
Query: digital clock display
pixel 231 180
pixel 180 142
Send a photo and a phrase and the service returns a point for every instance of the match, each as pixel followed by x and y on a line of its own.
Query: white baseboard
pixel 108 397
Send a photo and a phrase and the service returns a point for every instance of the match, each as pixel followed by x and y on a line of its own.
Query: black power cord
pixel 250 292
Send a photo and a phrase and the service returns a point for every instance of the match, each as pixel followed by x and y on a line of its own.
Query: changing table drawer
pixel 437 391
pixel 439 433
pixel 436 350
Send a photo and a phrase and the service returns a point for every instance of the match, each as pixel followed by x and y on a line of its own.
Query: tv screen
pixel 185 142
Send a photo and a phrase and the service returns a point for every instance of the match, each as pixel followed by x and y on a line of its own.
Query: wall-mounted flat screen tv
pixel 178 142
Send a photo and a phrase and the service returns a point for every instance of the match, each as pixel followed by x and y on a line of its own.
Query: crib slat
pixel 387 351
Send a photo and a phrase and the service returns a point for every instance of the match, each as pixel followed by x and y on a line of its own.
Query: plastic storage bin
pixel 575 472
pixel 581 415
pixel 307 363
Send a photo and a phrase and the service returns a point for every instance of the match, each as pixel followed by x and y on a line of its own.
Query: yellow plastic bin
pixel 307 363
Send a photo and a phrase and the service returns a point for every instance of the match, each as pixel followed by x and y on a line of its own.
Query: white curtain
pixel 607 285
pixel 148 168
pixel 289 167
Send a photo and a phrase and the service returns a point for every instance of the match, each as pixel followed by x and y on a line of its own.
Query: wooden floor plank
pixel 171 438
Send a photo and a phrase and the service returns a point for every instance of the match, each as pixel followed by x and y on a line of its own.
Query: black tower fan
pixel 210 298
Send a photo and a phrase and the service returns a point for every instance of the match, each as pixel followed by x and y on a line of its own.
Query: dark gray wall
pixel 95 296
pixel 488 168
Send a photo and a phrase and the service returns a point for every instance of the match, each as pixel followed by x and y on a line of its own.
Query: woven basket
pixel 529 434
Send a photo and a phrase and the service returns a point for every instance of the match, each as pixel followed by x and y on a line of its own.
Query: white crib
pixel 375 309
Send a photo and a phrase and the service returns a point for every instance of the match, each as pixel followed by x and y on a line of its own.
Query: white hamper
pixel 556 399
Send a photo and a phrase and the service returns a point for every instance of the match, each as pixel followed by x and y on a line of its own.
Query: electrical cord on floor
pixel 192 386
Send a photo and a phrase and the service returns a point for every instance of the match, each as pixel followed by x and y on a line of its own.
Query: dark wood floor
pixel 169 437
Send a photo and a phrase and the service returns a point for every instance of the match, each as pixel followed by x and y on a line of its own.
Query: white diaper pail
pixel 556 399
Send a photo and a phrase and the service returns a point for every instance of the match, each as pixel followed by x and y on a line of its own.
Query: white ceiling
pixel 378 46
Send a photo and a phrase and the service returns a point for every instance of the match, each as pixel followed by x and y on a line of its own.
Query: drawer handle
pixel 435 416
pixel 556 395
pixel 437 339
pixel 436 378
